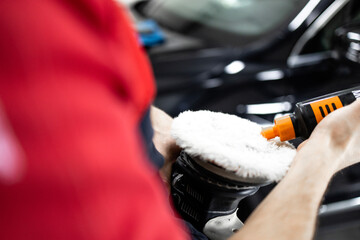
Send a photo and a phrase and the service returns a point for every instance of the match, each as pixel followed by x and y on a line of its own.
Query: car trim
pixel 311 58
pixel 341 206
pixel 303 15
pixel 295 59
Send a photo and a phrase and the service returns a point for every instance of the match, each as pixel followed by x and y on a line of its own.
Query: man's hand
pixel 164 143
pixel 339 133
pixel 290 210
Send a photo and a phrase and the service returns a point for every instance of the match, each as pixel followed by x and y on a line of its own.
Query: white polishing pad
pixel 232 143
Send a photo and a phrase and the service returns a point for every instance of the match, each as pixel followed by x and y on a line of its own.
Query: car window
pixel 248 19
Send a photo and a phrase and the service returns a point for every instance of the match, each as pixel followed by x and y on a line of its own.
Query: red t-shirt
pixel 73 85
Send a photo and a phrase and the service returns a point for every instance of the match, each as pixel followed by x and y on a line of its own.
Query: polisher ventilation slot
pixel 186 208
pixel 194 194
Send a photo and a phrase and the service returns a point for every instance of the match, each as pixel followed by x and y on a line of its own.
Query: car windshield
pixel 246 18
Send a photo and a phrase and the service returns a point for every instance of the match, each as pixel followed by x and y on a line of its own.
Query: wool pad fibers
pixel 232 143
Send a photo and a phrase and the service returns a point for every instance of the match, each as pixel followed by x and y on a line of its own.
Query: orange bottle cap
pixel 283 128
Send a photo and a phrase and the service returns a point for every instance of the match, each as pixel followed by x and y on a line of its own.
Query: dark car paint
pixel 184 64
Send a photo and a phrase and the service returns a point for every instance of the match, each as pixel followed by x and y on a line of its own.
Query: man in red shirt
pixel 74 85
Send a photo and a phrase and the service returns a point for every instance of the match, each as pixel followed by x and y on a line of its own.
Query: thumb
pixel 301 145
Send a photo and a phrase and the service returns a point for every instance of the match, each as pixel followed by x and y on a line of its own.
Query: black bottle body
pixel 309 113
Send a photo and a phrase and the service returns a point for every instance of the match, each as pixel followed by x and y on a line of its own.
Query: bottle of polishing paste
pixel 308 114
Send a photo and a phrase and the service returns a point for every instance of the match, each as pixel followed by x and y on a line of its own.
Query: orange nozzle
pixel 283 128
pixel 270 132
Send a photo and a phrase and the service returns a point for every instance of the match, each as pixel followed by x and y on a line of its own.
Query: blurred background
pixel 257 59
